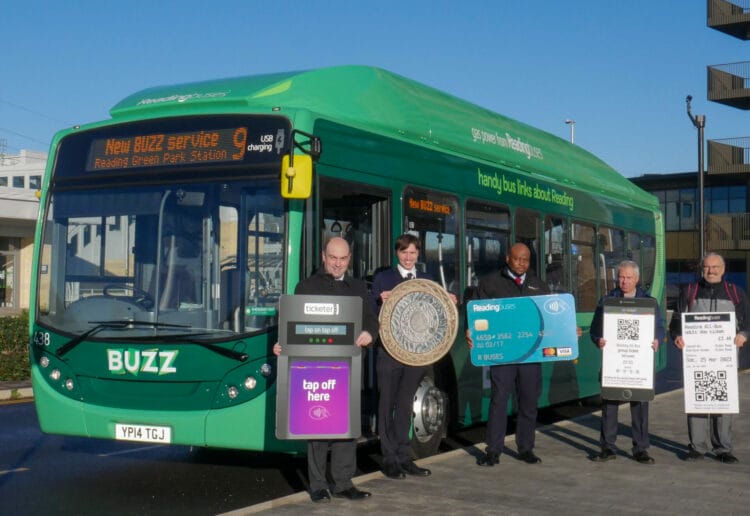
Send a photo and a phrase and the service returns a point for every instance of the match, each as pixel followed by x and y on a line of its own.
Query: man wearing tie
pixel 397 382
pixel 513 280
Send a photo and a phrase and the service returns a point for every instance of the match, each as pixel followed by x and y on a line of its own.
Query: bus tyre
pixel 430 417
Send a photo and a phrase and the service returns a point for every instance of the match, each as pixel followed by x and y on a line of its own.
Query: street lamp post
pixel 699 121
pixel 572 124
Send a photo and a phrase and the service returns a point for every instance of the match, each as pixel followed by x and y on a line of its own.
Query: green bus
pixel 167 234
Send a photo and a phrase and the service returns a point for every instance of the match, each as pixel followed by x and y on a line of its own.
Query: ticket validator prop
pixel 319 368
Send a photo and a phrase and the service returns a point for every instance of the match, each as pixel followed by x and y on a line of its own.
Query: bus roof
pixel 385 103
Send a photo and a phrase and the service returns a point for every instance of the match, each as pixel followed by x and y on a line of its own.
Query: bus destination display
pixel 231 144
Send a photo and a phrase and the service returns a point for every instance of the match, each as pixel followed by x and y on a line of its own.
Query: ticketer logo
pixel 321 309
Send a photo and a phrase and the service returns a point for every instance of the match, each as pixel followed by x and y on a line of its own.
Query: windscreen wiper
pixel 189 338
pixel 116 324
pixel 119 324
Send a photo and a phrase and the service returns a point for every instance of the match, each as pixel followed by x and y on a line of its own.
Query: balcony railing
pixel 730 17
pixel 730 156
pixel 728 232
pixel 730 84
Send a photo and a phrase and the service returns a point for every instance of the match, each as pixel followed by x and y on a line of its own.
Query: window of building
pixel 18 181
pixel 3 180
pixel 35 182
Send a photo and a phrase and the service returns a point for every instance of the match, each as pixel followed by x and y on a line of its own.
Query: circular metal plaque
pixel 418 322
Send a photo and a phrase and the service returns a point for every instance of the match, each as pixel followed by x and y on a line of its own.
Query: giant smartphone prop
pixel 628 357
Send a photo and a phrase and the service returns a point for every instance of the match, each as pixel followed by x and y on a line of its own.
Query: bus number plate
pixel 143 433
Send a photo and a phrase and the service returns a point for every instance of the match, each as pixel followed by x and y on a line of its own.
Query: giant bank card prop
pixel 628 356
pixel 320 368
pixel 523 329
pixel 709 363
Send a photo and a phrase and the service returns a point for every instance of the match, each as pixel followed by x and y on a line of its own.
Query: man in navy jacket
pixel 628 275
pixel 397 382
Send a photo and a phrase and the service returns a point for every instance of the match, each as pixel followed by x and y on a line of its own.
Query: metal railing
pixel 730 84
pixel 730 17
pixel 728 232
pixel 729 156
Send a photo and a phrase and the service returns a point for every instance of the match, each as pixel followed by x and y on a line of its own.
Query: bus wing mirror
pixel 296 178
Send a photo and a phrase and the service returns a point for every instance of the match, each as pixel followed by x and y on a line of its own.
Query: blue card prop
pixel 523 329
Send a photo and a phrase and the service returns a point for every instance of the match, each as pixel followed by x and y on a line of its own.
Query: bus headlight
pixel 232 392
pixel 266 370
pixel 44 362
pixel 69 384
pixel 55 374
pixel 250 383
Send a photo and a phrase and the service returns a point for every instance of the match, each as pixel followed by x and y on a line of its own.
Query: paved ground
pixel 568 481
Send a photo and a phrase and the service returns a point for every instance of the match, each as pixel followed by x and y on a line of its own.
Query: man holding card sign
pixel 712 294
pixel 514 280
pixel 628 275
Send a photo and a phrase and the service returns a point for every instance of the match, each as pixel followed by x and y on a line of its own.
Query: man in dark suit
pixel 332 279
pixel 397 382
pixel 513 280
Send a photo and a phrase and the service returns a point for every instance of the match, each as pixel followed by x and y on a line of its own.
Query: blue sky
pixel 621 70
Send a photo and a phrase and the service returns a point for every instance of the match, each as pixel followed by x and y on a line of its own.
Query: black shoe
pixel 393 470
pixel 605 455
pixel 352 494
pixel 320 496
pixel 488 459
pixel 643 457
pixel 413 469
pixel 693 455
pixel 727 458
pixel 529 458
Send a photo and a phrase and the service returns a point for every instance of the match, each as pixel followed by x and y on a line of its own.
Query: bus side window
pixel 487 237
pixel 526 226
pixel 584 266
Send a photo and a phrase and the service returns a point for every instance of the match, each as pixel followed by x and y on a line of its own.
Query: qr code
pixel 710 385
pixel 628 329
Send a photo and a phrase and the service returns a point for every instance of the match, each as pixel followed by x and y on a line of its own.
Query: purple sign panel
pixel 318 397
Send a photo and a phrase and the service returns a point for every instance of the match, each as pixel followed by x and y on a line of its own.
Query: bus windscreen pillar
pixel 319 368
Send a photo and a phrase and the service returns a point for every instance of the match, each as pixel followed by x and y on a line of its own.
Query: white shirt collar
pixel 404 272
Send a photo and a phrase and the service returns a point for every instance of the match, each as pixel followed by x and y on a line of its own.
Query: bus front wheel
pixel 430 417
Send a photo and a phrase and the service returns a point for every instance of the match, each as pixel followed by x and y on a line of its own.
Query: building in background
pixel 727 182
pixel 20 179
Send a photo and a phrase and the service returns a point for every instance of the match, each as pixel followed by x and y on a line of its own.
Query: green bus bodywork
pixel 376 128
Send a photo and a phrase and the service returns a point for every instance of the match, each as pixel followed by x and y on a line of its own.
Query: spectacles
pixel 712 267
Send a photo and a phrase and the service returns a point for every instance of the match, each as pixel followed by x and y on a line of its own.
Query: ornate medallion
pixel 418 322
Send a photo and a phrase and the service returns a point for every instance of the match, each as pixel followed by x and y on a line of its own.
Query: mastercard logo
pixel 549 352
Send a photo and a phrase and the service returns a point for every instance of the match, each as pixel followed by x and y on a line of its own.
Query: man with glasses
pixel 712 432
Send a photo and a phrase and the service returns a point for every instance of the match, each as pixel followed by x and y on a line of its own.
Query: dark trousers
pixel 638 423
pixel 506 379
pixel 343 464
pixel 397 384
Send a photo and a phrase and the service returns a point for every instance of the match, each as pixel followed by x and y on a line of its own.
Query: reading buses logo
pixel 135 361
pixel 321 308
